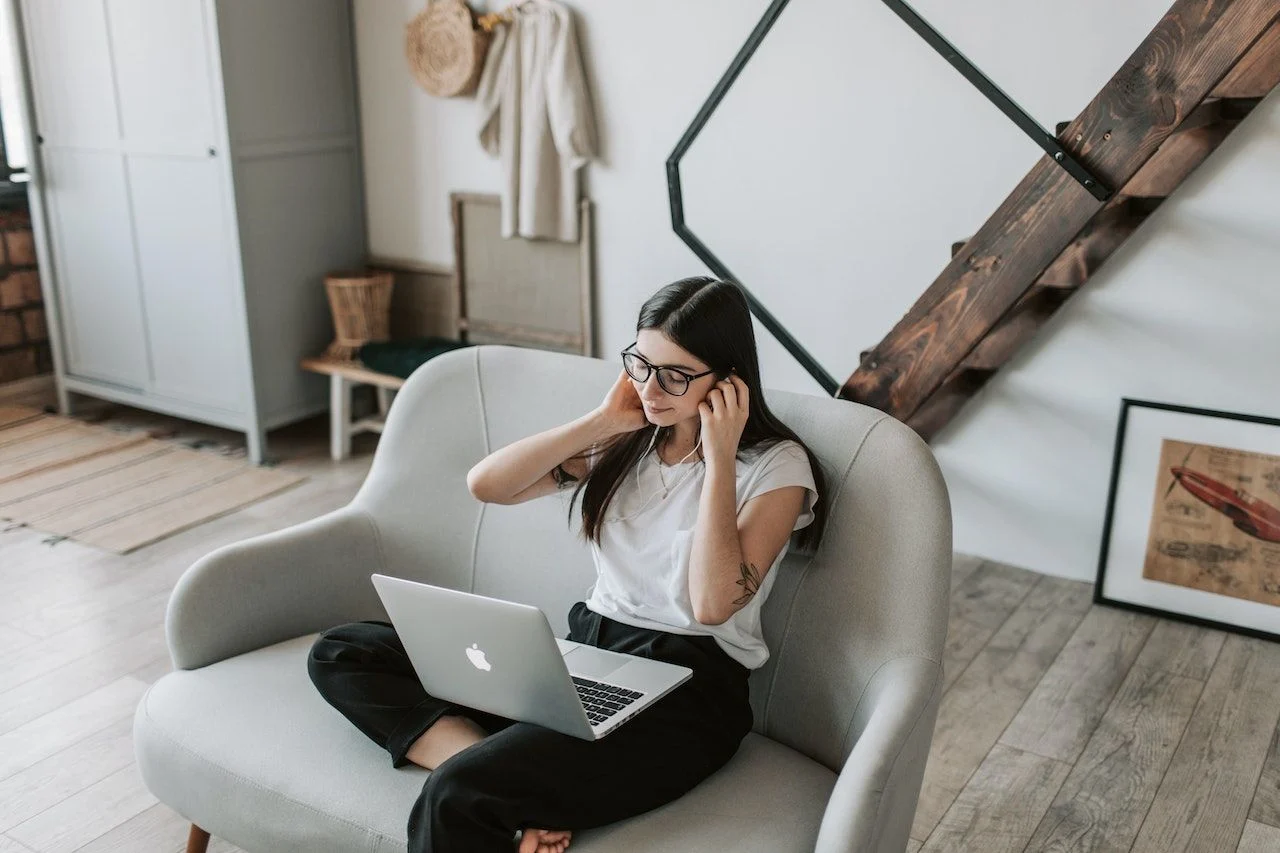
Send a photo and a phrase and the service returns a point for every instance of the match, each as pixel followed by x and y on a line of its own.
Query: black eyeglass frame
pixel 651 367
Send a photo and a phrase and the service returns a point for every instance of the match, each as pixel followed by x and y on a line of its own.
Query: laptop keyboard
pixel 602 701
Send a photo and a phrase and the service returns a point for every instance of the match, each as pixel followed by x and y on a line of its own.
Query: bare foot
pixel 545 840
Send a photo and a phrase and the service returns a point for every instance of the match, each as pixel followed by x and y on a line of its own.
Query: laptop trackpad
pixel 586 663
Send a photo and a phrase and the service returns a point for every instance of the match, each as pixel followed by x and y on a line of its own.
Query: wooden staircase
pixel 1199 73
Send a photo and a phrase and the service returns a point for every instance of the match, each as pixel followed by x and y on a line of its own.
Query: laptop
pixel 502 657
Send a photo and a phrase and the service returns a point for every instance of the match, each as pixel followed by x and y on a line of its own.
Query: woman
pixel 691 490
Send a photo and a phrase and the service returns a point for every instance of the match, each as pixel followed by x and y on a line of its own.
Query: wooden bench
pixel 490 275
pixel 343 377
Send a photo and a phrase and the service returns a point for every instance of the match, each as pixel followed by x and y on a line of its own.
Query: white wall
pixel 833 180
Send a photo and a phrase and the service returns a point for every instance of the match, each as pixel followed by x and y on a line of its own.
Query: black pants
pixel 524 775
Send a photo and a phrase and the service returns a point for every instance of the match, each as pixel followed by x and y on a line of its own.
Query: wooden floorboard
pixel 88 814
pixel 28 793
pixel 1062 712
pixel 963 565
pixel 158 828
pixel 57 730
pixel 91 626
pixel 1266 800
pixel 218 845
pixel 150 673
pixel 1125 690
pixel 1205 797
pixel 13 640
pixel 979 606
pixel 1065 726
pixel 985 698
pixel 1102 804
pixel 60 686
pixel 84 639
pixel 1259 838
pixel 998 810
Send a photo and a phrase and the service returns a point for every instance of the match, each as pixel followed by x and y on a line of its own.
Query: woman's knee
pixel 352 640
pixel 339 647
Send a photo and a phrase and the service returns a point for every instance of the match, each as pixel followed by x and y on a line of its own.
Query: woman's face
pixel 660 407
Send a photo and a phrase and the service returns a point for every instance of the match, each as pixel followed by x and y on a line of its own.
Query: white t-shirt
pixel 642 561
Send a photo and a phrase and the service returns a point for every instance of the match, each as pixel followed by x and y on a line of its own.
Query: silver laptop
pixel 502 657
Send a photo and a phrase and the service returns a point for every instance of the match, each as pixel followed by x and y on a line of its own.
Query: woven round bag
pixel 445 48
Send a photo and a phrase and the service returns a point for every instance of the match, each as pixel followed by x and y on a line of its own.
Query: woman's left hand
pixel 724 416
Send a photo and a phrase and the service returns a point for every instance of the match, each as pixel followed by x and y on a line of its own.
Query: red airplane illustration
pixel 1251 515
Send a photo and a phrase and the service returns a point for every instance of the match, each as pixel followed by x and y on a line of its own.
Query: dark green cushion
pixel 401 358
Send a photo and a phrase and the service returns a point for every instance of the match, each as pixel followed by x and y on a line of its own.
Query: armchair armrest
pixel 274 587
pixel 875 796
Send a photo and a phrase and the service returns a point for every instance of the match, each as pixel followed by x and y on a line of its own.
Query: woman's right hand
pixel 622 410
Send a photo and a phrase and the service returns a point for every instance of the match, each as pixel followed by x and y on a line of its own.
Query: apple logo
pixel 476 656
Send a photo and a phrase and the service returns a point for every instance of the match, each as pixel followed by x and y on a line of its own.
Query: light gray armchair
pixel 238 741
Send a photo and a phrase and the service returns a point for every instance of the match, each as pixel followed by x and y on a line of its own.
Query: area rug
pixel 117 490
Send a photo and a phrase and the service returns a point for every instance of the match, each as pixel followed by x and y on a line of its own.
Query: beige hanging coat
pixel 536 117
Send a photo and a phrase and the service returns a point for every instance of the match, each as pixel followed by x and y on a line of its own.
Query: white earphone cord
pixel 666 490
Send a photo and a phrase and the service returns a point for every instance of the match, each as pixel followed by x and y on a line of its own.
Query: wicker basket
pixel 361 306
pixel 445 49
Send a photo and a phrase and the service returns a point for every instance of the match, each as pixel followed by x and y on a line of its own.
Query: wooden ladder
pixel 1200 72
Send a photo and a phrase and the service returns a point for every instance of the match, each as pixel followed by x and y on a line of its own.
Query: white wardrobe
pixel 196 174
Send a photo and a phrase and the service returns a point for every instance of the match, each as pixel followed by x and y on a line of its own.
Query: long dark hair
pixel 709 319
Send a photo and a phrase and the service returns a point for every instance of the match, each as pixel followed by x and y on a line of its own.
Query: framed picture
pixel 536 293
pixel 1192 529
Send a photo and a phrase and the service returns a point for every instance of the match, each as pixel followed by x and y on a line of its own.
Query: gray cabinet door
pixel 182 221
pixel 70 58
pixel 86 191
pixel 139 196
pixel 97 274
pixel 179 192
pixel 160 51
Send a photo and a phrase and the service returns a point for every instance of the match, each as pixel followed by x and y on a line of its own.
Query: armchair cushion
pixel 230 733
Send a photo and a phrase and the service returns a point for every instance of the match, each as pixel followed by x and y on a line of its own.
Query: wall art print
pixel 1192 526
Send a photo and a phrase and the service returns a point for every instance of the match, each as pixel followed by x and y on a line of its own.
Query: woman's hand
pixel 724 416
pixel 622 410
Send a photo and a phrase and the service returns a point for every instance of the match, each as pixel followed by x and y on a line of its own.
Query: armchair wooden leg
pixel 197 840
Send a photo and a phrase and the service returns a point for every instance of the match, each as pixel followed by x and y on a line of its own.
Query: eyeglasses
pixel 672 380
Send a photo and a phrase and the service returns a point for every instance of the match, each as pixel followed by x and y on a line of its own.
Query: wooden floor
pixel 83 636
pixel 1071 727
pixel 1064 726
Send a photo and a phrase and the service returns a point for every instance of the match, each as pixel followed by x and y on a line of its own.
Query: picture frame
pixel 1192 524
pixel 535 293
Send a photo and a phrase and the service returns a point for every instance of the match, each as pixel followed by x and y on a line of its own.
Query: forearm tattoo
pixel 562 477
pixel 750 582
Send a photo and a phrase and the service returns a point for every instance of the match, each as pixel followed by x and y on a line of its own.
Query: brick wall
pixel 24 338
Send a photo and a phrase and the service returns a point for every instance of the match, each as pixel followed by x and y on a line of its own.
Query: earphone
pixel 666 490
